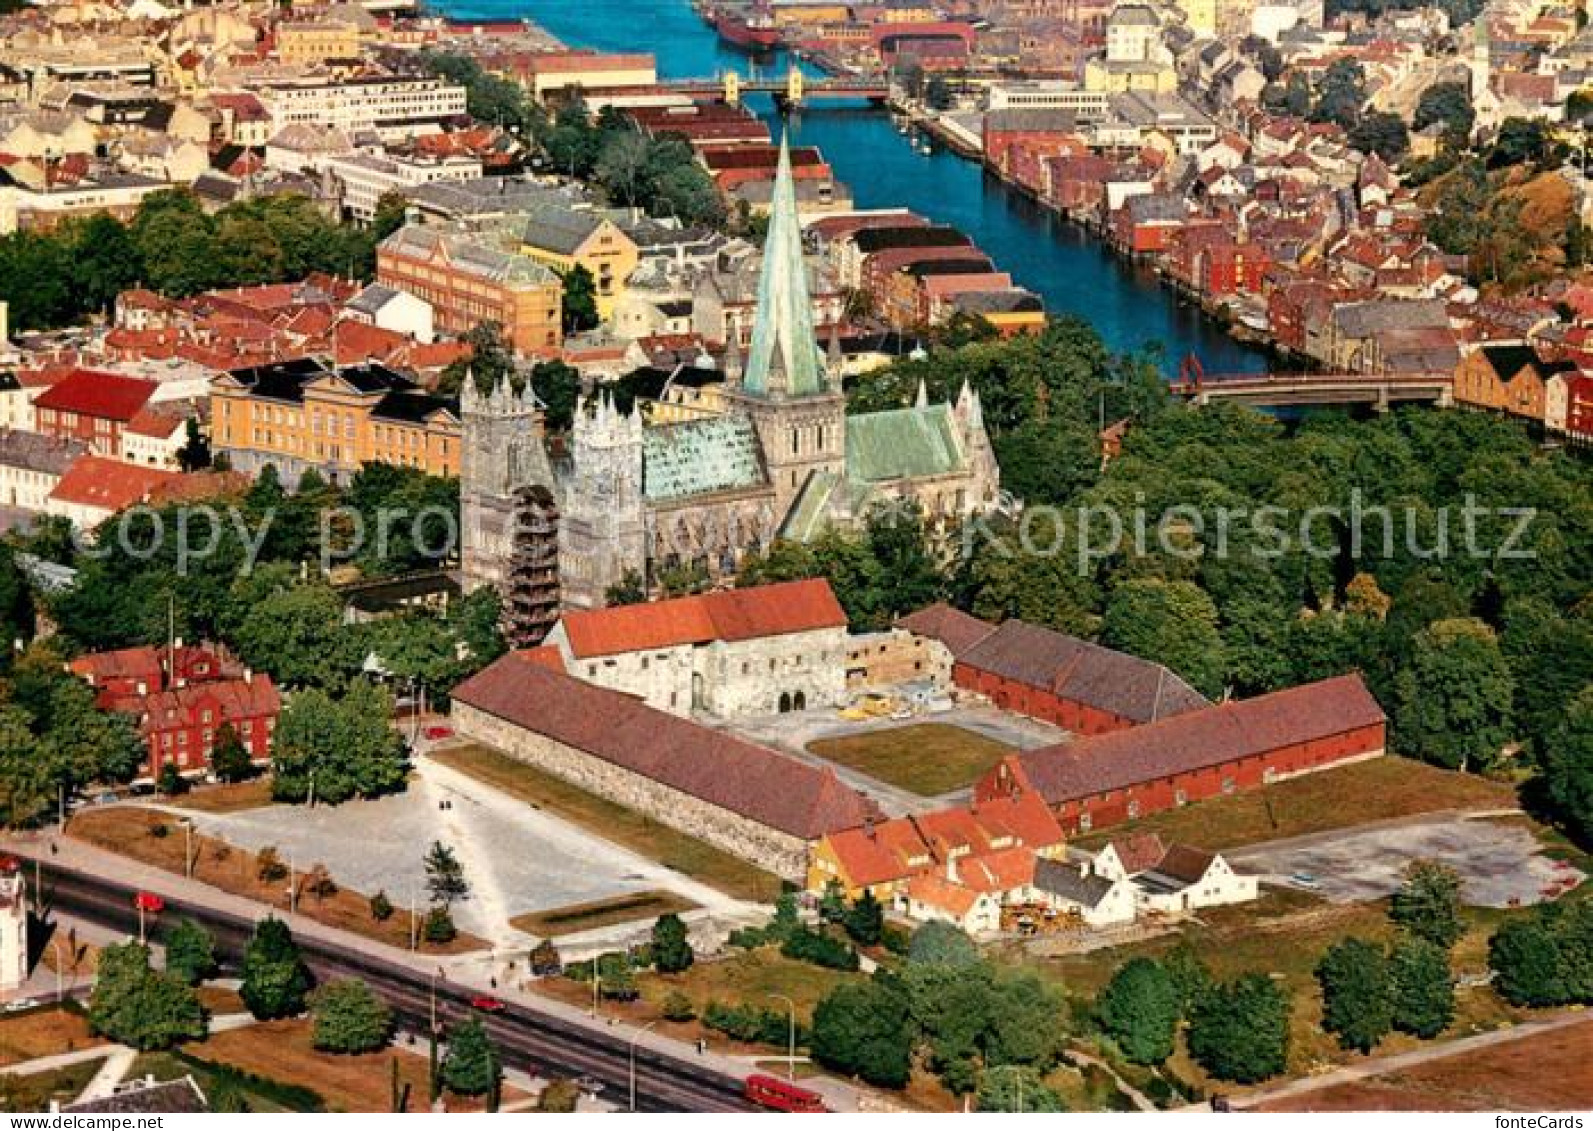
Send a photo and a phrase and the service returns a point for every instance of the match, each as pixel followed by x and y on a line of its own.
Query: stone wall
pixel 754 677
pixel 768 848
pixel 881 658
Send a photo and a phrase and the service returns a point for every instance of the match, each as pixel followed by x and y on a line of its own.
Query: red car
pixel 433 733
pixel 487 1004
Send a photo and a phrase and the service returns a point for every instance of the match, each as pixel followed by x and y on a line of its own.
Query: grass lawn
pixel 43 1032
pixel 281 1050
pixel 1380 789
pixel 1546 1072
pixel 600 913
pixel 926 758
pixel 1283 935
pixel 34 1091
pixel 612 822
pixel 233 798
pixel 130 831
pixel 745 978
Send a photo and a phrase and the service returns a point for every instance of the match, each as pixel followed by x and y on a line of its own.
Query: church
pixel 783 460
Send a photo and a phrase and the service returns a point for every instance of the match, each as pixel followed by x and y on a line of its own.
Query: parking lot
pixel 1500 864
pixel 516 858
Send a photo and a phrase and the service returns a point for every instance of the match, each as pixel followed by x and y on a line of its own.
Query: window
pixel 1227 785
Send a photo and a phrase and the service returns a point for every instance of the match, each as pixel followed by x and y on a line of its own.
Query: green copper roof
pixel 901 443
pixel 811 511
pixel 784 357
pixel 700 457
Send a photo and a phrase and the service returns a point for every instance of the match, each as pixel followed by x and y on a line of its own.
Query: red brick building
pixel 1034 129
pixel 1104 780
pixel 92 407
pixel 181 697
pixel 1074 684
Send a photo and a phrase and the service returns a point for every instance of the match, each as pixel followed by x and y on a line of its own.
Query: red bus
pixel 782 1095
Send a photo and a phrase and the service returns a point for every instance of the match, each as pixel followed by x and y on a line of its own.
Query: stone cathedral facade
pixel 784 460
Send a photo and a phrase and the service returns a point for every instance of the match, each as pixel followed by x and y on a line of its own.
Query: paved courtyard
pixel 1497 862
pixel 516 858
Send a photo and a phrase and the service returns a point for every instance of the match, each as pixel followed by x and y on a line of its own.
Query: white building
pixel 1172 879
pixel 395 106
pixel 30 467
pixel 358 181
pixel 13 925
pixel 759 651
pixel 395 310
pixel 1049 94
pixel 1074 889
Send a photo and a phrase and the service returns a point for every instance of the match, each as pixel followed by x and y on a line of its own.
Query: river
pixel 1072 272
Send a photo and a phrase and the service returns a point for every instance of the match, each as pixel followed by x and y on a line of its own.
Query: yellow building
pixel 297 415
pixel 1121 78
pixel 1200 15
pixel 317 42
pixel 560 238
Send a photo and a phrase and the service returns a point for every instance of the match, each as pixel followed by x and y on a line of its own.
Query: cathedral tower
pixel 794 401
pixel 604 523
pixel 503 450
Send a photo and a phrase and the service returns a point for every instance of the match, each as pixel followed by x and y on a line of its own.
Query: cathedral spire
pixel 785 356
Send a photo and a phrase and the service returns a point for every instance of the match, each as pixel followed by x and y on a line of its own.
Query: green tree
pixel 1341 94
pixel 1172 623
pixel 580 300
pixel 190 952
pixel 349 1018
pixel 139 1006
pixel 1016 1088
pixel 346 746
pixel 229 757
pixel 1542 959
pixel 1568 769
pixel 472 1066
pixel 296 634
pixel 865 920
pixel 672 951
pixel 1423 987
pixel 1382 133
pixel 1140 1007
pixel 490 361
pixel 1449 103
pixel 862 1029
pixel 1427 905
pixel 1239 1030
pixel 1454 700
pixel 1357 1006
pixel 439 926
pixel 445 876
pixel 942 943
pixel 275 978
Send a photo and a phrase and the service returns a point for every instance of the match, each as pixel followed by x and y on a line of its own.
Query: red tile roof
pixel 1077 670
pixel 1199 740
pixel 231 700
pixel 108 396
pixel 952 627
pixel 737 614
pixel 110 484
pixel 757 783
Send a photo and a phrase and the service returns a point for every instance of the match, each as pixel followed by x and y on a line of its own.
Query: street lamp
pixel 790 1060
pixel 188 853
pixel 1017 1079
pixel 636 1036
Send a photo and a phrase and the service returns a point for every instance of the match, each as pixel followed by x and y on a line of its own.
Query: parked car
pixel 1306 880
pixel 487 1004
pixel 437 731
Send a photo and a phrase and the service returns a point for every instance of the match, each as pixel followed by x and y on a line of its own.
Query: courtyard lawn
pixel 156 839
pixel 1381 789
pixel 614 823
pixel 578 917
pixel 928 759
pixel 43 1032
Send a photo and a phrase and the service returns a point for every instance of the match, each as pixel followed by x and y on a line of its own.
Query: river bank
pixel 1070 270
